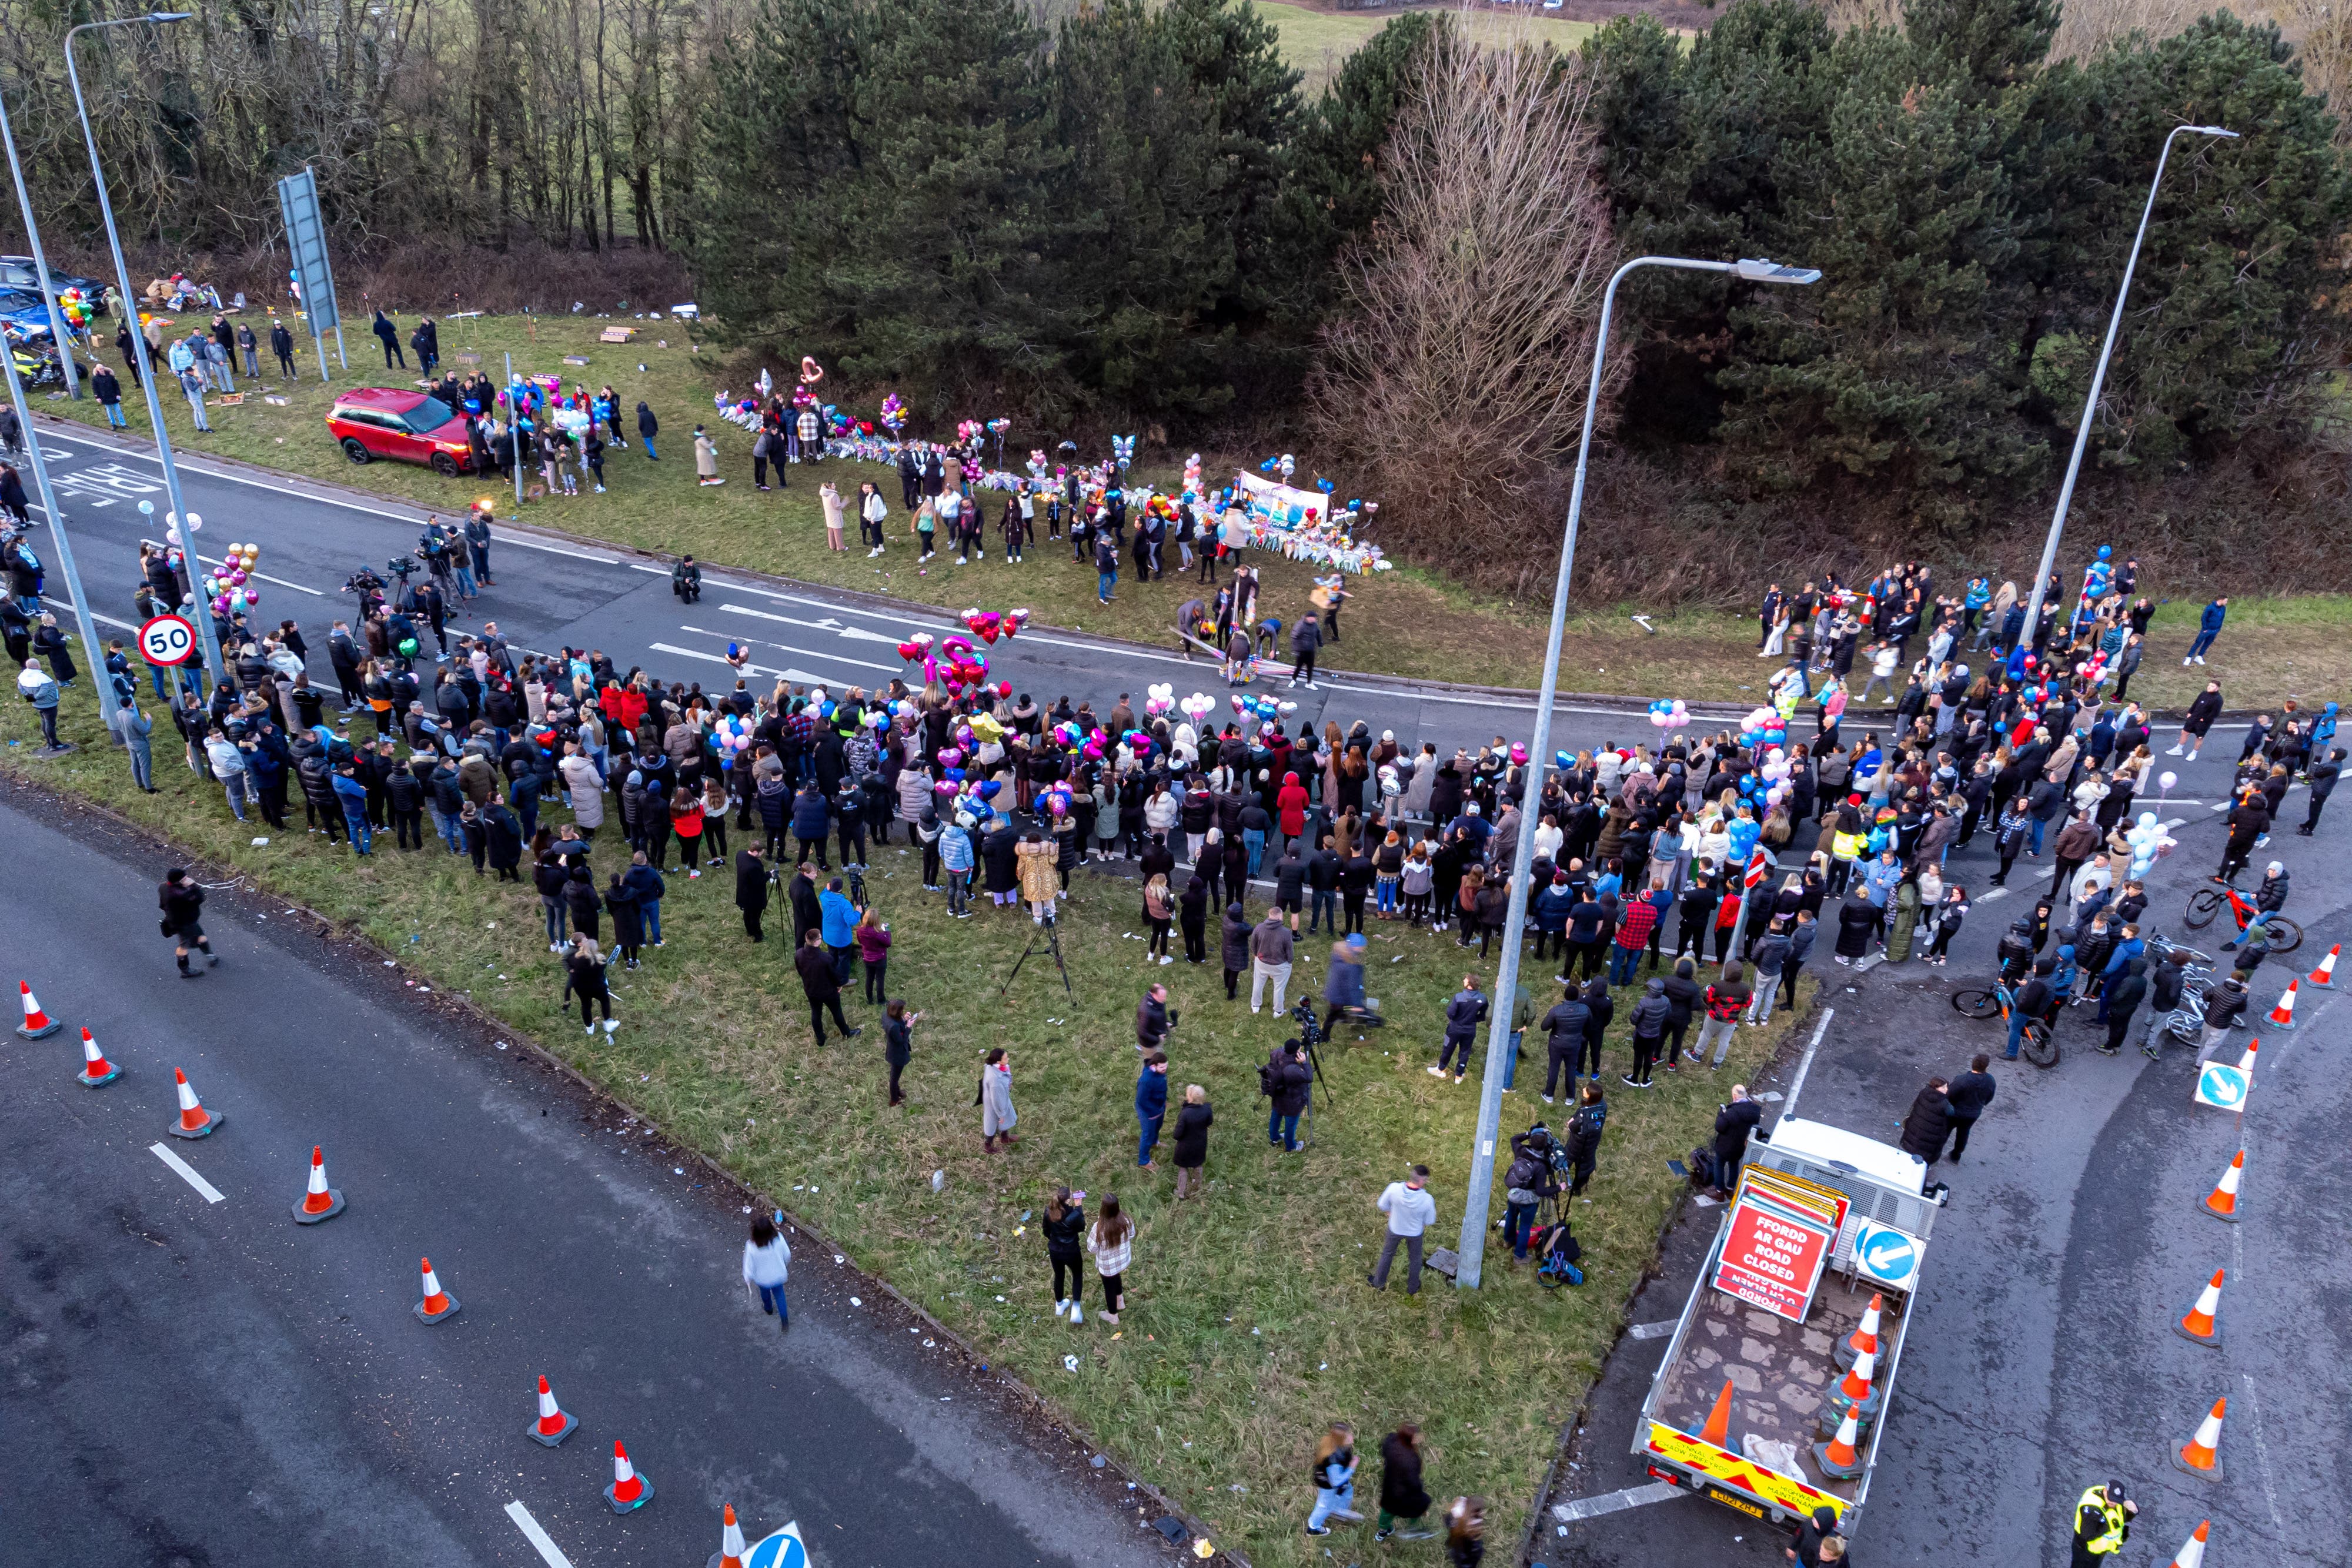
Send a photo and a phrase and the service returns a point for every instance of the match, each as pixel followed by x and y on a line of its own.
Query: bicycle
pixel 2286 935
pixel 2038 1043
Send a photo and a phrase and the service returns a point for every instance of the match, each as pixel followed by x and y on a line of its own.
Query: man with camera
pixel 1286 1081
pixel 1530 1179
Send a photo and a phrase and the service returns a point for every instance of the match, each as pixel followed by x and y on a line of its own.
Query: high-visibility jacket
pixel 2109 1516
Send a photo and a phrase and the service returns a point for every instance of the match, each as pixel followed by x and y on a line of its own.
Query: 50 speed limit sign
pixel 167 640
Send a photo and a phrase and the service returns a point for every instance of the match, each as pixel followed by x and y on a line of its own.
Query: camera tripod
pixel 1052 932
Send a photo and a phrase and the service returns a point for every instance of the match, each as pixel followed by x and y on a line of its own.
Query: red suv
pixel 381 421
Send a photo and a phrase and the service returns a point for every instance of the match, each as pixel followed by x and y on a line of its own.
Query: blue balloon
pixel 988 790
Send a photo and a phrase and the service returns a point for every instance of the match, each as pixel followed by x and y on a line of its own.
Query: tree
pixel 1453 376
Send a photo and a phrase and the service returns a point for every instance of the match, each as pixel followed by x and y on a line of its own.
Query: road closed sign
pixel 167 640
pixel 1887 1256
pixel 1772 1253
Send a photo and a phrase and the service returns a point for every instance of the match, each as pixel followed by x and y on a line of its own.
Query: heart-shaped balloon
pixel 950 756
pixel 910 651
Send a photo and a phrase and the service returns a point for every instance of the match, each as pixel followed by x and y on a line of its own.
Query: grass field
pixel 1318 42
pixel 1404 623
pixel 1249 1324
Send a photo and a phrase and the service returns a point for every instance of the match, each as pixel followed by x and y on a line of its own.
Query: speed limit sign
pixel 167 640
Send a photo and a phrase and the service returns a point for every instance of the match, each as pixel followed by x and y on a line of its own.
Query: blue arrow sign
pixel 782 1550
pixel 2221 1086
pixel 1887 1255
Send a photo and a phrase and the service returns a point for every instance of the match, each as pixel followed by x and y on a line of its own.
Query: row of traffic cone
pixel 2200 1456
pixel 630 1491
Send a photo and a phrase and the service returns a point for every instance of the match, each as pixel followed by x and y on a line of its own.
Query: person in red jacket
pixel 1290 808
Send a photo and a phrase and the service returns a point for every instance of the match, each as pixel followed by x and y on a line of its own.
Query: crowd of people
pixel 1685 883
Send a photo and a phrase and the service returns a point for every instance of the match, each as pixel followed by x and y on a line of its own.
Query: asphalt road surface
pixel 2041 1360
pixel 196 1384
pixel 554 592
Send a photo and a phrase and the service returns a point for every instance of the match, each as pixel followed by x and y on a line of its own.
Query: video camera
pixel 1310 1028
pixel 400 566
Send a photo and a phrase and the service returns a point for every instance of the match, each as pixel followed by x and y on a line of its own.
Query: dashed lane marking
pixel 548 1551
pixel 187 1173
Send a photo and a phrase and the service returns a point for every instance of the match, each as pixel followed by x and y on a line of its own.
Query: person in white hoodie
pixel 767 1261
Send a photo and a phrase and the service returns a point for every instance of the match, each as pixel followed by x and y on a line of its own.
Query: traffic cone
pixel 730 1542
pixel 37 1022
pixel 553 1425
pixel 437 1303
pixel 1863 1339
pixel 1717 1429
pixel 2201 1324
pixel 194 1122
pixel 2246 1062
pixel 2283 1015
pixel 2200 1456
pixel 95 1069
pixel 2325 974
pixel 1858 1390
pixel 2223 1204
pixel 629 1491
pixel 1839 1458
pixel 2192 1551
pixel 321 1202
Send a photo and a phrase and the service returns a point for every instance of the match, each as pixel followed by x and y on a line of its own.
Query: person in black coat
pixel 1734 1119
pixel 281 343
pixel 1403 1498
pixel 999 852
pixel 751 888
pixel 1192 1138
pixel 503 830
pixel 898 1043
pixel 1968 1095
pixel 1857 926
pixel 1065 1230
pixel 1929 1123
pixel 807 913
pixel 2324 774
pixel 628 912
pixel 581 902
pixel 823 988
pixel 389 335
pixel 1193 917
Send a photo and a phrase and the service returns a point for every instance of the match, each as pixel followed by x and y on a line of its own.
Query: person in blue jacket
pixel 838 918
pixel 811 824
pixel 1151 1106
pixel 2209 626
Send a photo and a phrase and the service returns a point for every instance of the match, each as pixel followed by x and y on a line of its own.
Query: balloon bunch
pixel 968 432
pixel 1090 744
pixel 1158 699
pixel 1769 785
pixel 1192 476
pixel 1038 465
pixel 172 524
pixel 1668 713
pixel 1056 798
pixel 230 586
pixel 733 735
pixel 1263 707
pixel 894 414
pixel 74 306
pixel 957 665
pixel 1764 726
pixel 998 427
pixel 1283 467
pixel 989 625
pixel 1122 451
pixel 1198 705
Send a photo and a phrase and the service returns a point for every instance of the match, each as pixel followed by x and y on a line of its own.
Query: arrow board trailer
pixel 1823 1220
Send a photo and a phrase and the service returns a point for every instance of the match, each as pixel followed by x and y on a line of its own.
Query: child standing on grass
pixel 1109 1241
pixel 1065 1229
pixel 1334 1479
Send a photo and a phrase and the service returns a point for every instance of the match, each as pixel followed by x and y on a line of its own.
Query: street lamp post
pixel 1471 1249
pixel 2098 381
pixel 40 260
pixel 203 611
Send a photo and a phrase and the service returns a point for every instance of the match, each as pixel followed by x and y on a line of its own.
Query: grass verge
pixel 1249 1324
pixel 1318 43
pixel 1407 622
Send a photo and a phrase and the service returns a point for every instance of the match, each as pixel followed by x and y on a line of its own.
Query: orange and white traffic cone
pixel 1863 1339
pixel 1840 1459
pixel 95 1069
pixel 437 1303
pixel 730 1542
pixel 2246 1062
pixel 1858 1389
pixel 2201 1325
pixel 2192 1551
pixel 2202 1455
pixel 2223 1203
pixel 194 1122
pixel 629 1491
pixel 321 1202
pixel 37 1022
pixel 1717 1429
pixel 554 1424
pixel 2325 974
pixel 2283 1015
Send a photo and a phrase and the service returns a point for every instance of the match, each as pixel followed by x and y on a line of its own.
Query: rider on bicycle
pixel 2269 899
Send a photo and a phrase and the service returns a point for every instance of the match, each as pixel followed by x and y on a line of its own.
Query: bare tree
pixel 1455 370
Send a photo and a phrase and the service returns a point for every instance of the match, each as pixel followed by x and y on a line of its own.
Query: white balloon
pixel 2167 779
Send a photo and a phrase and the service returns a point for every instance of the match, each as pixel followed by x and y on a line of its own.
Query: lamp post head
pixel 1757 271
pixel 169 16
pixel 2211 131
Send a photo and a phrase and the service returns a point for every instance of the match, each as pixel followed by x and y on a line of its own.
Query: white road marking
pixel 1805 1065
pixel 1651 1330
pixel 94 615
pixel 499 537
pixel 1989 895
pixel 804 653
pixel 550 1552
pixel 640 566
pixel 1615 1502
pixel 280 581
pixel 211 1194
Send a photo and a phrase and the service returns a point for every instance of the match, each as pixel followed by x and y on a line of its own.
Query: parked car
pixel 17 272
pixel 407 426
